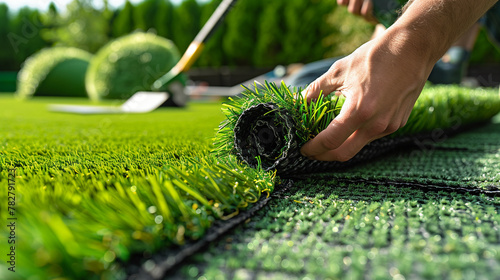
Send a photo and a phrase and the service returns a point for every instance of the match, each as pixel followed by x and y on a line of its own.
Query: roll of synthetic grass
pixel 269 124
pixel 130 64
pixel 58 71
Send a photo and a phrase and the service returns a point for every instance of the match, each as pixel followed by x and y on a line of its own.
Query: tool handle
pixel 214 20
pixel 194 49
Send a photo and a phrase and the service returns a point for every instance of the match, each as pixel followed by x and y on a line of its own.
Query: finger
pixel 326 83
pixel 367 11
pixel 366 8
pixel 333 136
pixel 347 150
pixel 343 2
pixel 353 144
pixel 354 7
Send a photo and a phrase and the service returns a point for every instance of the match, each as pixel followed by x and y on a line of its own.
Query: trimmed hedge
pixel 130 64
pixel 58 71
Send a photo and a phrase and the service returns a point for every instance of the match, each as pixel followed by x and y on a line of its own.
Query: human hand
pixel 381 81
pixel 362 8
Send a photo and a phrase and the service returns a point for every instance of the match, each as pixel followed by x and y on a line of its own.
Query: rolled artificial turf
pixel 268 125
pixel 129 64
pixel 57 71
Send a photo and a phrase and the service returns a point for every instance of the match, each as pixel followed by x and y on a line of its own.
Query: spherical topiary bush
pixel 129 64
pixel 58 71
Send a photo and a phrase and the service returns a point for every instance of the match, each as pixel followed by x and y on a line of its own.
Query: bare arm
pixel 383 78
pixel 441 22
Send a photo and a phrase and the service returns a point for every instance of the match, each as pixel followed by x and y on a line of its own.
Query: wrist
pixel 417 43
pixel 411 49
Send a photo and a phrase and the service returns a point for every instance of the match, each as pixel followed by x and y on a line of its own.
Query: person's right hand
pixel 362 8
pixel 381 81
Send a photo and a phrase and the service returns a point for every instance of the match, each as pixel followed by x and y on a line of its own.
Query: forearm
pixel 431 26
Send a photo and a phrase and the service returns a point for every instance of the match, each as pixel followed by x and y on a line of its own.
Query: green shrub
pixel 58 71
pixel 129 64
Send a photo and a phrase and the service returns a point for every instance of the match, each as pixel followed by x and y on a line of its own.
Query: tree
pixel 82 26
pixel 145 14
pixel 25 34
pixel 241 32
pixel 7 61
pixel 124 22
pixel 165 19
pixel 186 24
pixel 49 17
pixel 271 35
pixel 306 25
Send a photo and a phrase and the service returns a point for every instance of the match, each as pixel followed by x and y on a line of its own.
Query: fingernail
pixel 308 157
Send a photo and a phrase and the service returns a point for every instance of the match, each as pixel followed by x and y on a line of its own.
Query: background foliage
pixel 256 33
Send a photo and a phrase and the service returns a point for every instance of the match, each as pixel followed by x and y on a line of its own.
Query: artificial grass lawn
pixel 95 189
pixel 326 229
pixel 372 221
pixel 410 214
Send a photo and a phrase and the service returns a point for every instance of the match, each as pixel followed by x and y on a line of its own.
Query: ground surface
pixel 408 215
pixel 426 213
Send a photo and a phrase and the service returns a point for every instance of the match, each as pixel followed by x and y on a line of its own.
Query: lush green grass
pixel 94 189
pixel 91 190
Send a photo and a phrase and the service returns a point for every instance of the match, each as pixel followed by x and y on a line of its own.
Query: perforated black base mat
pixel 426 213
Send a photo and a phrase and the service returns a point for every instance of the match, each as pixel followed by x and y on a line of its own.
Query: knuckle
pixel 379 127
pixel 403 123
pixel 335 69
pixel 364 114
pixel 392 127
pixel 329 142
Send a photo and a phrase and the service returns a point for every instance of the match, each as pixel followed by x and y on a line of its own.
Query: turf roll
pixel 269 124
pixel 129 64
pixel 265 130
pixel 58 71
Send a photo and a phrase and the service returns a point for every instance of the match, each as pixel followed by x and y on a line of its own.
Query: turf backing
pixel 330 230
pixel 390 218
